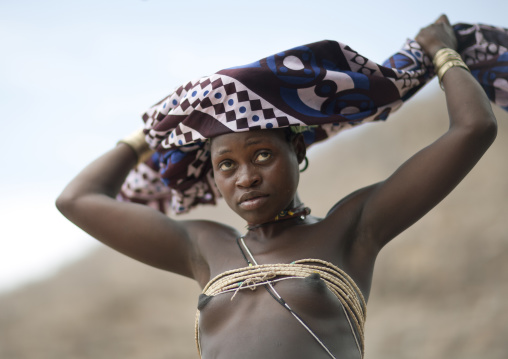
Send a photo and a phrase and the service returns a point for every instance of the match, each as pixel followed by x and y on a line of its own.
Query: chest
pixel 236 310
pixel 238 252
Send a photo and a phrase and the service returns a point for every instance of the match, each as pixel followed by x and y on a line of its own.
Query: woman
pixel 309 277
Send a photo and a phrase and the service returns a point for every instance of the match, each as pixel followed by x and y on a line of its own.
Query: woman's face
pixel 257 172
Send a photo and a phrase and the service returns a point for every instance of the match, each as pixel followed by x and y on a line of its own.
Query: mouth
pixel 252 200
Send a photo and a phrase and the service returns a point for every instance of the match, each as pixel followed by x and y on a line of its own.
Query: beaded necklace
pixel 300 211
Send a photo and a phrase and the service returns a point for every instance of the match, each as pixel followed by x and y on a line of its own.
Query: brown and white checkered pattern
pixel 221 97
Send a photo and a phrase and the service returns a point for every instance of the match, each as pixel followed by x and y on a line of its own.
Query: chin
pixel 255 217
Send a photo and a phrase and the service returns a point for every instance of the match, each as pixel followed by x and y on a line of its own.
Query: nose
pixel 247 176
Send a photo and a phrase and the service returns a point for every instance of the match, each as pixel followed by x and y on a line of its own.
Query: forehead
pixel 240 140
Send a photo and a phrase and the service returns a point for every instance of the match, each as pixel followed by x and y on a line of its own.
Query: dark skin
pixel 257 173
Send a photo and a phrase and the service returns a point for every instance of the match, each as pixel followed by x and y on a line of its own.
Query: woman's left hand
pixel 436 36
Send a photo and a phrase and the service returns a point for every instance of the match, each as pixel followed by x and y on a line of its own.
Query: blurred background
pixel 74 77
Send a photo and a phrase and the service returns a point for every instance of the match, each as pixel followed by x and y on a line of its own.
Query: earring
pixel 305 165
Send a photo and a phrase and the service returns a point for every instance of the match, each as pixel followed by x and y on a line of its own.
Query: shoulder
pixel 202 231
pixel 345 221
pixel 203 224
pixel 209 240
pixel 353 200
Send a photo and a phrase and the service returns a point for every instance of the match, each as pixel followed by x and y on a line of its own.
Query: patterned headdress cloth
pixel 325 85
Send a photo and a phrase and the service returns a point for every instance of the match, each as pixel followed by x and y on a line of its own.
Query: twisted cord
pixel 336 280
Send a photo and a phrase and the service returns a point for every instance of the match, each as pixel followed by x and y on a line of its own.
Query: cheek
pixel 288 176
pixel 292 181
pixel 221 183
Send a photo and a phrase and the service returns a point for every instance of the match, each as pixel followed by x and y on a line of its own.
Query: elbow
pixel 488 131
pixel 65 202
pixel 483 132
pixel 62 203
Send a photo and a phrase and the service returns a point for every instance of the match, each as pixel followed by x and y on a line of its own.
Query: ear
pixel 299 147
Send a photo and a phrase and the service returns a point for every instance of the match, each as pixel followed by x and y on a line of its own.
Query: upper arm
pixel 133 229
pixel 432 173
pixel 421 183
pixel 136 230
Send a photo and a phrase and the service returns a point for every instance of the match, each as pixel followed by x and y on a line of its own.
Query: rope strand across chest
pixel 336 280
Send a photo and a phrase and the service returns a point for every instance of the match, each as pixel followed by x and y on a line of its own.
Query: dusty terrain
pixel 439 289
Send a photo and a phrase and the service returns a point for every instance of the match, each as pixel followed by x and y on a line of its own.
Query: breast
pixel 257 320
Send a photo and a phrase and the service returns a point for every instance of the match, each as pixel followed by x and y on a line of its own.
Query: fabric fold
pixel 323 87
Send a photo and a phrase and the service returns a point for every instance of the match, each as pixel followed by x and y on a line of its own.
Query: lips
pixel 252 199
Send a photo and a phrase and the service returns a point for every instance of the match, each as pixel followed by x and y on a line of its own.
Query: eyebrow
pixel 221 152
pixel 250 142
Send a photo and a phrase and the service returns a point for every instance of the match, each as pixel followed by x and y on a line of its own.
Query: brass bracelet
pixel 444 60
pixel 448 65
pixel 443 56
pixel 136 141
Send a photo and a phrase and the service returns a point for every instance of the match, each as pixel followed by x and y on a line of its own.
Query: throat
pixel 298 212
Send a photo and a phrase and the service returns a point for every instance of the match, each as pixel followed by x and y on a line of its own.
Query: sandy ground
pixel 439 289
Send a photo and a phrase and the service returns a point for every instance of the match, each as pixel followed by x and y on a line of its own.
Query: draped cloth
pixel 324 86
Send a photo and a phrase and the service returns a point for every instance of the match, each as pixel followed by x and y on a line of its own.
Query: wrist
pixel 136 141
pixel 433 51
pixel 444 59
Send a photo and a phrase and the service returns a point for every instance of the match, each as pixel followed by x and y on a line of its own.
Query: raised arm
pixel 391 206
pixel 135 230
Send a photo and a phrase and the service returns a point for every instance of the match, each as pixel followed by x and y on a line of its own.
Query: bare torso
pixel 255 325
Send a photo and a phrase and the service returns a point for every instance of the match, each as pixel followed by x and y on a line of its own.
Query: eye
pixel 226 165
pixel 263 156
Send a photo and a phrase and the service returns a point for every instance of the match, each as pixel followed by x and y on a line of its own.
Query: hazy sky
pixel 75 75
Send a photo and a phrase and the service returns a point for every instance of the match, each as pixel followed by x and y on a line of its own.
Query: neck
pixel 298 212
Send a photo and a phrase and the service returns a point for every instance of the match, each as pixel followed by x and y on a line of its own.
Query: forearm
pixel 468 106
pixel 138 231
pixel 104 176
